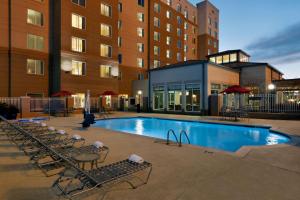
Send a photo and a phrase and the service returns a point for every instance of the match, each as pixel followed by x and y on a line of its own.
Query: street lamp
pixel 271 88
pixel 139 104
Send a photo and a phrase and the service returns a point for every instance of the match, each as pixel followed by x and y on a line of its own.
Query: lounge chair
pixel 73 182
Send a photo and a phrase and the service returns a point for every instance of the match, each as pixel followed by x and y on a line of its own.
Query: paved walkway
pixel 178 173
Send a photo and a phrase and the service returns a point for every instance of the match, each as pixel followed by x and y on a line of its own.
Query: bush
pixel 3 109
pixel 8 112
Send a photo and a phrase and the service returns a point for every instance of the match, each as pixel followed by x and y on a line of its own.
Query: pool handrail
pixel 168 136
pixel 180 136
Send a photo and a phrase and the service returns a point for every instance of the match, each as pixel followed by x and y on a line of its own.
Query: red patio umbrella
pixel 108 93
pixel 236 89
pixel 62 93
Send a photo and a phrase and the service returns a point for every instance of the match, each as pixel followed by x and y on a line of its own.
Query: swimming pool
pixel 218 136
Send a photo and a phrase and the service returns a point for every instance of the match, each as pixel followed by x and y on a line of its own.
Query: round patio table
pixel 83 158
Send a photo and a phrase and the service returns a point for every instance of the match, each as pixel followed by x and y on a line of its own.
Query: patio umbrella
pixel 236 89
pixel 108 93
pixel 62 93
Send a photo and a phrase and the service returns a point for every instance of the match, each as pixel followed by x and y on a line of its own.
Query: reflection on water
pixel 139 127
pixel 272 139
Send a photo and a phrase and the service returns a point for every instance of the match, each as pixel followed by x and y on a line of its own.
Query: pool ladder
pixel 182 132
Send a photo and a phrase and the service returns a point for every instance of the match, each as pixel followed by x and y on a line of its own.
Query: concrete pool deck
pixel 178 173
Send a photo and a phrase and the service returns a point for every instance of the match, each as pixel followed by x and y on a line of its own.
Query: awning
pixel 62 93
pixel 108 93
pixel 236 89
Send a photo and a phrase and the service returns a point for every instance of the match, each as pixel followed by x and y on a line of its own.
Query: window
pixel 185 25
pixel 209 31
pixel 178 8
pixel 209 21
pixel 208 51
pixel 168 53
pixel 141 3
pixel 78 68
pixel 186 14
pixel 156 36
pixel 168 40
pixel 185 37
pixel 140 76
pixel 78 44
pixel 192 97
pixel 194 40
pixel 185 48
pixel 168 27
pixel 105 30
pixel 35 42
pixel 140 17
pixel 215 88
pixel 105 50
pixel 184 58
pixel 219 60
pixel 215 44
pixel 169 2
pixel 119 24
pixel 216 34
pixel 179 20
pixel 156 7
pixel 212 59
pixel 120 7
pixel 216 25
pixel 178 32
pixel 105 71
pixel 158 97
pixel 78 21
pixel 156 22
pixel 179 44
pixel 106 10
pixel 156 63
pixel 140 62
pixel 156 50
pixel 35 67
pixel 174 98
pixel 79 2
pixel 119 41
pixel 34 17
pixel 194 30
pixel 209 41
pixel 233 57
pixel 168 14
pixel 140 47
pixel 140 32
pixel 226 58
pixel 194 51
pixel 120 58
pixel 178 56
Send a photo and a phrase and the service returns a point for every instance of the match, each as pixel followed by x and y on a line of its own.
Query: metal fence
pixel 15 101
pixel 48 105
pixel 273 103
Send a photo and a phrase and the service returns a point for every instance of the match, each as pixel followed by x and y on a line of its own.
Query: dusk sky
pixel 269 30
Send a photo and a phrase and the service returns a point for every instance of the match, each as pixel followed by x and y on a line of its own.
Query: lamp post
pixel 140 92
pixel 271 88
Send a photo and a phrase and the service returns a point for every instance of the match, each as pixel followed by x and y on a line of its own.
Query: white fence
pixel 273 103
pixel 15 101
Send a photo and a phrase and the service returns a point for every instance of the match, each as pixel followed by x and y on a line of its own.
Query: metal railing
pixel 168 136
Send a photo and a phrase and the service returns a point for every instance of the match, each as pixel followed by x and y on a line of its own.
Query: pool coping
pixel 241 152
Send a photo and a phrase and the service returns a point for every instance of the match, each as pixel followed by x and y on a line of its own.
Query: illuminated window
pixel 106 10
pixel 140 62
pixel 219 60
pixel 185 37
pixel 185 48
pixel 140 17
pixel 140 32
pixel 78 44
pixel 105 50
pixel 156 22
pixel 226 58
pixel 186 14
pixel 185 25
pixel 78 68
pixel 156 50
pixel 35 42
pixel 156 63
pixel 78 21
pixel 168 53
pixel 119 24
pixel 156 7
pixel 105 30
pixel 169 2
pixel 35 67
pixel 168 14
pixel 168 40
pixel 140 47
pixel 168 27
pixel 233 57
pixel 34 17
pixel 105 71
pixel 212 59
pixel 178 32
pixel 156 36
pixel 119 41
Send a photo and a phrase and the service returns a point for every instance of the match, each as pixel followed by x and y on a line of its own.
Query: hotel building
pixel 74 45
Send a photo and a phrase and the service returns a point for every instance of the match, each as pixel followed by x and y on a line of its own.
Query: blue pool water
pixel 218 136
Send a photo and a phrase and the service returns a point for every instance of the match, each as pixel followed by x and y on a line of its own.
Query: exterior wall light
pixel 271 86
